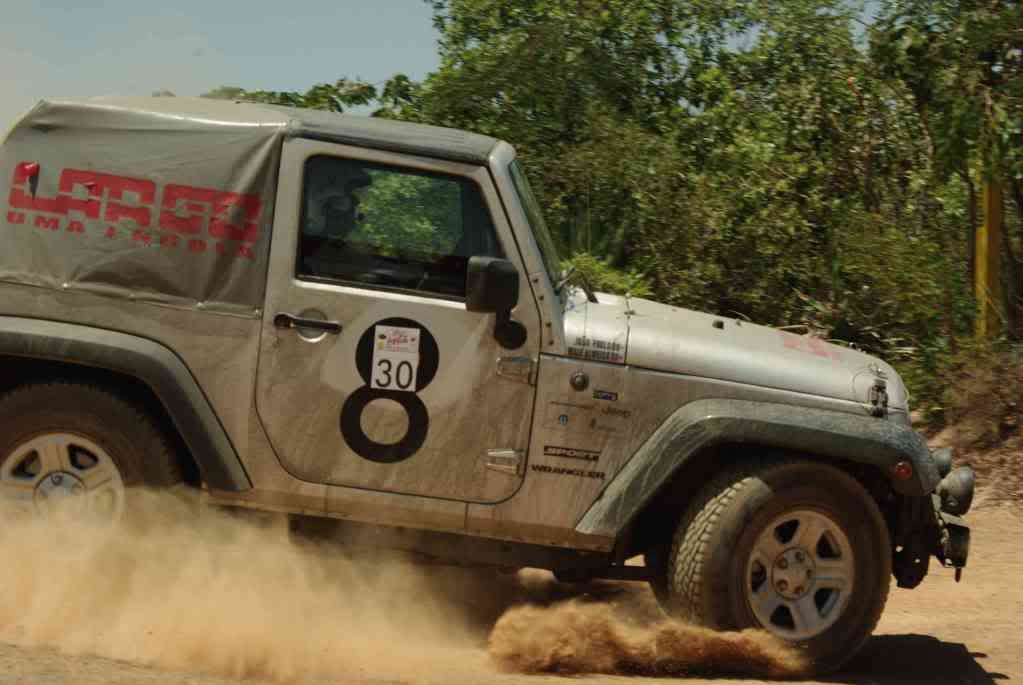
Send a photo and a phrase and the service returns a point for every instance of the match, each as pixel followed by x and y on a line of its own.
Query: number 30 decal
pixel 385 375
pixel 396 358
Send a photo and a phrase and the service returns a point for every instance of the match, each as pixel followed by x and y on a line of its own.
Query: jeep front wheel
pixel 797 548
pixel 78 447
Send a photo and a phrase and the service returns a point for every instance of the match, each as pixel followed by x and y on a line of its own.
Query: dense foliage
pixel 808 162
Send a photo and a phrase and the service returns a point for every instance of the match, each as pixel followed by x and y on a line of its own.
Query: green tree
pixel 561 79
pixel 960 65
pixel 804 162
pixel 404 213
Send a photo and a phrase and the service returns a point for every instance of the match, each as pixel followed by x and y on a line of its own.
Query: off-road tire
pixel 140 448
pixel 706 567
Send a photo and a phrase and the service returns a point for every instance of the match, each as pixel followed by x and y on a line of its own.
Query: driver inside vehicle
pixel 334 189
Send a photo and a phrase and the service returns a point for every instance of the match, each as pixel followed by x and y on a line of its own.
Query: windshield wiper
pixel 569 276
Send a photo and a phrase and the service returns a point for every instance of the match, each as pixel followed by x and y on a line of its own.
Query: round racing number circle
pixel 396 359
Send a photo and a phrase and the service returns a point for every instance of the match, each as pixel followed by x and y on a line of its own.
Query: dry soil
pixel 227 602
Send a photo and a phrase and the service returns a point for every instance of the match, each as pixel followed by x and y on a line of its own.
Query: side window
pixel 390 227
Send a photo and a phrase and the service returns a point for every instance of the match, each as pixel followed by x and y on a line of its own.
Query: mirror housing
pixel 492 285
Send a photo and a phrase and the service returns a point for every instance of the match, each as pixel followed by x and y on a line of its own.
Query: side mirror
pixel 492 285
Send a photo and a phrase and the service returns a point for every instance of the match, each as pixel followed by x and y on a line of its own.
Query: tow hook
pixel 955 543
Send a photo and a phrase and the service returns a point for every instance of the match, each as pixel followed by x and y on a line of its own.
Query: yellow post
pixel 988 281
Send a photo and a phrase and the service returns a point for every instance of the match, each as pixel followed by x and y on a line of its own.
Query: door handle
pixel 291 321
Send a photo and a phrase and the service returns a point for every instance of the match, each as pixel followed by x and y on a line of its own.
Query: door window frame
pixel 478 176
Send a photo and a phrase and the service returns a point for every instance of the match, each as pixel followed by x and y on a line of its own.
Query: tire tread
pixel 157 463
pixel 694 535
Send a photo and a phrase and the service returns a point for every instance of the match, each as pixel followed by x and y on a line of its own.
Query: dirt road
pixel 941 632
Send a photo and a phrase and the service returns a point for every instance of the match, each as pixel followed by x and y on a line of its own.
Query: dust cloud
pixel 186 588
pixel 576 637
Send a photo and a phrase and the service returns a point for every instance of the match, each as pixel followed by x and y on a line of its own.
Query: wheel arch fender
pixel 695 427
pixel 148 362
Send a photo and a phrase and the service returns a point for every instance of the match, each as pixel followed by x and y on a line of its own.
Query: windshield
pixel 536 222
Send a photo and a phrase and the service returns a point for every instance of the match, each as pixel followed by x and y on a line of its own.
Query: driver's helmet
pixel 334 188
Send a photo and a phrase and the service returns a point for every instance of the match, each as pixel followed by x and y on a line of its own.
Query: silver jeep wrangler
pixel 364 324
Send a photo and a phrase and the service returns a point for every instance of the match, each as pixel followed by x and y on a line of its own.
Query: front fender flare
pixel 704 423
pixel 153 364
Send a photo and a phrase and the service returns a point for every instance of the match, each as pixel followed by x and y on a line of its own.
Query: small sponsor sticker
pixel 397 339
pixel 602 417
pixel 395 358
pixel 810 345
pixel 616 412
pixel 583 347
pixel 605 395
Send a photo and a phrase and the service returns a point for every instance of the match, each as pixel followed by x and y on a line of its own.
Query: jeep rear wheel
pixel 78 447
pixel 797 548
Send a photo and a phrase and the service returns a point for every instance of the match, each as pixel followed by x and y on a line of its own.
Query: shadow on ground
pixel 904 659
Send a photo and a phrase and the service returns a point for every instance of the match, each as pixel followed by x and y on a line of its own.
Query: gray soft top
pixel 168 200
pixel 193 112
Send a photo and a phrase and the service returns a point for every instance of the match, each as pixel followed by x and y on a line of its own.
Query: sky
pixel 117 47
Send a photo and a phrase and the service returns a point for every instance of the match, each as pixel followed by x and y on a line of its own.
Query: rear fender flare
pixel 155 365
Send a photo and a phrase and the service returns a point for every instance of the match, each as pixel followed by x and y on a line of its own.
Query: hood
pixel 637 332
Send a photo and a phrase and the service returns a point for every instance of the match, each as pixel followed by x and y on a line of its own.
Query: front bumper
pixel 933 525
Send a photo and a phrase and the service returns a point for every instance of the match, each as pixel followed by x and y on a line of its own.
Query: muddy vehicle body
pixel 363 324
